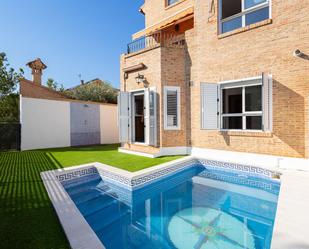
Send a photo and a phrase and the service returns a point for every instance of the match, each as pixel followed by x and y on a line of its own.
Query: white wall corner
pixel 174 151
pixel 276 163
pixel 137 153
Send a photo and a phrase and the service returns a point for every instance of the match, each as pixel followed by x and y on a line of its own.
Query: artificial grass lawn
pixel 27 219
pixel 106 154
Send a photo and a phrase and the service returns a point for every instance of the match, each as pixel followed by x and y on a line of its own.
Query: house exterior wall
pixel 44 124
pixel 269 49
pixel 265 47
pixel 157 10
pixel 173 74
pixel 152 72
pixel 165 66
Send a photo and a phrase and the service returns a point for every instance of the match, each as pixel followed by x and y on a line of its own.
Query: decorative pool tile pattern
pixel 237 167
pixel 134 182
pixel 161 173
pixel 76 174
pixel 115 177
pixel 255 183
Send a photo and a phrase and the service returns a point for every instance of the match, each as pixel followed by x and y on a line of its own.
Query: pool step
pixel 90 207
pixel 90 195
pixel 106 216
pixel 84 181
pixel 76 192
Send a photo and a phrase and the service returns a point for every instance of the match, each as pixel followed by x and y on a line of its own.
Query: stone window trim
pixel 246 133
pixel 246 28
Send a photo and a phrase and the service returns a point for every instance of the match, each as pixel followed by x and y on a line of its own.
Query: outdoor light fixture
pixel 140 78
pixel 298 53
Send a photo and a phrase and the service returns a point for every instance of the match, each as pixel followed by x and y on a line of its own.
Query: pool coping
pixel 77 230
pixel 81 235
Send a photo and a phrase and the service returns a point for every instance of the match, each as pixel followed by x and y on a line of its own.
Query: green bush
pixel 9 108
pixel 97 92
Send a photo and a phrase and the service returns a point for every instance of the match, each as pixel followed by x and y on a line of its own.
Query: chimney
pixel 37 67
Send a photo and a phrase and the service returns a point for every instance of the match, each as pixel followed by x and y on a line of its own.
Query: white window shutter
pixel 153 118
pixel 172 108
pixel 146 115
pixel 124 116
pixel 150 117
pixel 267 102
pixel 210 106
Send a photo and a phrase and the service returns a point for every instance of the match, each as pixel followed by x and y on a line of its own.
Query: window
pixel 170 2
pixel 235 14
pixel 171 108
pixel 242 106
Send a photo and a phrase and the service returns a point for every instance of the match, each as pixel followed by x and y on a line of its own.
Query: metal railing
pixel 156 40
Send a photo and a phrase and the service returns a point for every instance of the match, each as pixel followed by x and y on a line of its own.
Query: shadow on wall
pixel 226 138
pixel 188 77
pixel 288 118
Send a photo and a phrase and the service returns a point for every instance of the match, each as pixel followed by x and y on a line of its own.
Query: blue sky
pixel 72 37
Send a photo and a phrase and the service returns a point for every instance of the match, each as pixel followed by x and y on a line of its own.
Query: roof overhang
pixel 173 19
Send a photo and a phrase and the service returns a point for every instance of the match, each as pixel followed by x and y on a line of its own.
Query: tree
pixel 9 78
pixel 9 108
pixel 97 92
pixel 9 99
pixel 54 85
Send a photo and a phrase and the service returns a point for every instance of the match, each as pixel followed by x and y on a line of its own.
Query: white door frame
pixel 134 93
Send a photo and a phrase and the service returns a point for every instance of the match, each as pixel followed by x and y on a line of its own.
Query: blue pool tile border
pixel 115 177
pixel 237 167
pixel 76 174
pixel 146 178
pixel 254 183
pixel 161 173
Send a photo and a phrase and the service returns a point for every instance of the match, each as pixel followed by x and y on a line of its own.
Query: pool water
pixel 196 208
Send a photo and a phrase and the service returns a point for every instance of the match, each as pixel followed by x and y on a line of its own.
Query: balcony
pixel 159 39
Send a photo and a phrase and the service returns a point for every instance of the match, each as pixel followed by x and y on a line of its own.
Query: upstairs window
pixel 235 14
pixel 171 108
pixel 170 2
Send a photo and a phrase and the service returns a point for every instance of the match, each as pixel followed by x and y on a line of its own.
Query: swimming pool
pixel 194 207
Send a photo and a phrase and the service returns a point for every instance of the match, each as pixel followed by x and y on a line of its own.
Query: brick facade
pixel 165 66
pixel 267 48
pixel 157 10
pixel 210 57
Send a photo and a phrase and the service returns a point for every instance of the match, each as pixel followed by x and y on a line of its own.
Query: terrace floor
pixel 27 218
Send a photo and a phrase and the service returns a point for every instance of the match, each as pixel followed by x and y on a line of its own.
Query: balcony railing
pixel 156 40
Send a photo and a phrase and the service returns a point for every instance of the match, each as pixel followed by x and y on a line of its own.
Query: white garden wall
pixel 44 123
pixel 108 123
pixel 59 123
